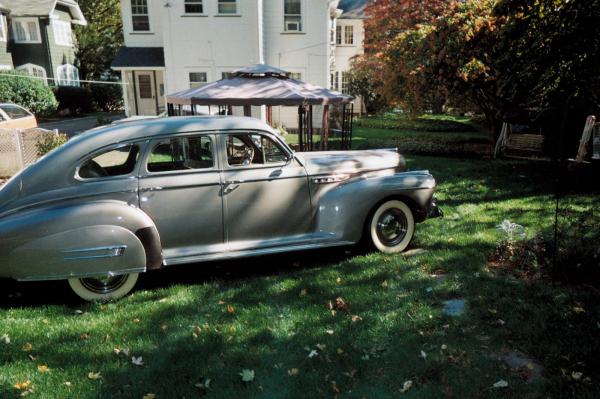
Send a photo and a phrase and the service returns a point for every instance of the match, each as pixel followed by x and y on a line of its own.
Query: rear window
pixel 182 153
pixel 14 111
pixel 116 162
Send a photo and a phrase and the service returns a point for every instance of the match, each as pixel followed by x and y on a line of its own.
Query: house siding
pixel 5 56
pixel 59 55
pixel 32 53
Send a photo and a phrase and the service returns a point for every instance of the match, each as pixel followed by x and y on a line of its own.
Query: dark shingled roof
pixel 43 8
pixel 353 9
pixel 129 57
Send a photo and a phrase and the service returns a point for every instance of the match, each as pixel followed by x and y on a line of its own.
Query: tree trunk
pixel 437 106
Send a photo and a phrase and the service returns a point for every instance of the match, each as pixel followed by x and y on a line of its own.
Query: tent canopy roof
pixel 259 84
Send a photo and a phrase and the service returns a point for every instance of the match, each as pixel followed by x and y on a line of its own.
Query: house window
pixel 145 86
pixel 349 34
pixel 227 75
pixel 344 82
pixel 338 34
pixel 62 33
pixel 198 79
pixel 296 75
pixel 227 7
pixel 194 7
pixel 26 30
pixel 292 15
pixel 67 75
pixel 2 28
pixel 139 15
pixel 334 81
pixel 34 70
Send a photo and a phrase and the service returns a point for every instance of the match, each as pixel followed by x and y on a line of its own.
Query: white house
pixel 172 45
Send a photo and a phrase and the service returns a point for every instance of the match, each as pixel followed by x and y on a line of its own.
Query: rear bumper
pixel 434 210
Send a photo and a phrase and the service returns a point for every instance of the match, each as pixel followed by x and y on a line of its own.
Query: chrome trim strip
pixel 82 275
pixel 109 252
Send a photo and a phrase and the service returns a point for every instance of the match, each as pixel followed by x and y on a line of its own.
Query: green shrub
pixel 17 87
pixel 423 124
pixel 107 97
pixel 74 99
pixel 48 142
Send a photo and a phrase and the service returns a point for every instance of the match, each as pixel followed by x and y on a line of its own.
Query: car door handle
pixel 234 181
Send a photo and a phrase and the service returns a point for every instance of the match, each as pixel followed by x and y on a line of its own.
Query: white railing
pixel 18 148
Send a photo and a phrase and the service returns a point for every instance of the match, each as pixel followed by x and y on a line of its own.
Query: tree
pixel 98 41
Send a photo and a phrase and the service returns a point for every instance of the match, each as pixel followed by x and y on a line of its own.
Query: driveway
pixel 74 126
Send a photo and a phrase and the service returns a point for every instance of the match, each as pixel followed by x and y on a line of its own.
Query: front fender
pixel 343 209
pixel 75 240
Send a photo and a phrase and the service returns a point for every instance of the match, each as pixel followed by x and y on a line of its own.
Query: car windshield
pixel 14 111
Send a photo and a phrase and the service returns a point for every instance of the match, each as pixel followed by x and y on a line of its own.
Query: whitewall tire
pixel 391 227
pixel 103 288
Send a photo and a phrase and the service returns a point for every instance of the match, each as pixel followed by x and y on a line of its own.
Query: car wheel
pixel 103 288
pixel 391 227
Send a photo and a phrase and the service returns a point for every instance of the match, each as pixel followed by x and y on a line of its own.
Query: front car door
pixel 265 192
pixel 180 188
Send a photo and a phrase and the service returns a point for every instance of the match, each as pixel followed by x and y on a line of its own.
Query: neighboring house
pixel 172 45
pixel 36 36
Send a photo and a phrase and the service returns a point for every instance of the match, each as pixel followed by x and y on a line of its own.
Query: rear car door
pixel 180 189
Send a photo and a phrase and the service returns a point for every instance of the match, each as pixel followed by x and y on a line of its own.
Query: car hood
pixel 351 161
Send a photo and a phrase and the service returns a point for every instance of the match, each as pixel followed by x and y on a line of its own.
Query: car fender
pixel 77 240
pixel 343 209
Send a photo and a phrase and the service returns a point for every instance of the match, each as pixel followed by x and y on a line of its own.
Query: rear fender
pixel 79 240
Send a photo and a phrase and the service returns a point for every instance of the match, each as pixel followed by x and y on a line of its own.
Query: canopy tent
pixel 267 85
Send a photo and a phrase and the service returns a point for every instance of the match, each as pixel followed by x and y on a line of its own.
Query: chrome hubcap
pixel 392 227
pixel 104 285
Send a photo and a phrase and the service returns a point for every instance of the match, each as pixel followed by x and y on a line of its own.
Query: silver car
pixel 123 199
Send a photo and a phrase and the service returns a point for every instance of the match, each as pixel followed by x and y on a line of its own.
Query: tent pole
pixel 300 128
pixel 325 128
pixel 310 128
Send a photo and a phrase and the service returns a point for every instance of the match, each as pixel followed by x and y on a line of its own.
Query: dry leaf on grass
pixel 138 361
pixel 303 292
pixel 22 385
pixel 94 376
pixel 406 386
pixel 5 339
pixel 27 347
pixel 42 368
pixel 293 372
pixel 230 309
pixel 149 396
pixel 500 384
pixel 247 375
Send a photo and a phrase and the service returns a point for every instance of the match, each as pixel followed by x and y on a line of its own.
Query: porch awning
pixel 139 57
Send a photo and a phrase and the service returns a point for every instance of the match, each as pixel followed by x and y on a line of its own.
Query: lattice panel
pixel 18 149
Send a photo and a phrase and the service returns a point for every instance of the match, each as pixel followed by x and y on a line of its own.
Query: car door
pixel 265 192
pixel 180 189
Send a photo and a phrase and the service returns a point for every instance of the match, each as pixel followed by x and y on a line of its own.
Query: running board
pixel 252 252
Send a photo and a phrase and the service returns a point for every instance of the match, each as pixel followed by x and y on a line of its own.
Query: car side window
pixel 181 153
pixel 253 149
pixel 115 162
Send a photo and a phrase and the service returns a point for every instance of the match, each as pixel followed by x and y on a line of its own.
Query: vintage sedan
pixel 123 199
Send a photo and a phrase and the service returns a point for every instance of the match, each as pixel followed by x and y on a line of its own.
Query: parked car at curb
pixel 13 116
pixel 124 199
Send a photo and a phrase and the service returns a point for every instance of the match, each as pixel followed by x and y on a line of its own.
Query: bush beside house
pixel 32 94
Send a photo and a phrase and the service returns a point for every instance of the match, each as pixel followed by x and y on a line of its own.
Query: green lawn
pixel 272 316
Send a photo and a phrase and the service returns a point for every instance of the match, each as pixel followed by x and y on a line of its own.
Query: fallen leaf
pixel 312 354
pixel 500 384
pixel 578 309
pixel 384 284
pixel 94 376
pixel 423 355
pixel 84 336
pixel 22 385
pixel 67 383
pixel 138 361
pixel 340 304
pixel 406 386
pixel 492 311
pixel 338 280
pixel 32 358
pixel 576 375
pixel 330 332
pixel 149 396
pixel 230 309
pixel 444 347
pixel 221 302
pixel 136 320
pixel 303 292
pixel 356 318
pixel 321 347
pixel 247 375
pixel 5 338
pixel 340 351
pixel 203 385
pixel 293 371
pixel 334 387
pixel 27 347
pixel 42 368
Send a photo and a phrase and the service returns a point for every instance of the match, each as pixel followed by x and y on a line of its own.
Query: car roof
pixel 144 128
